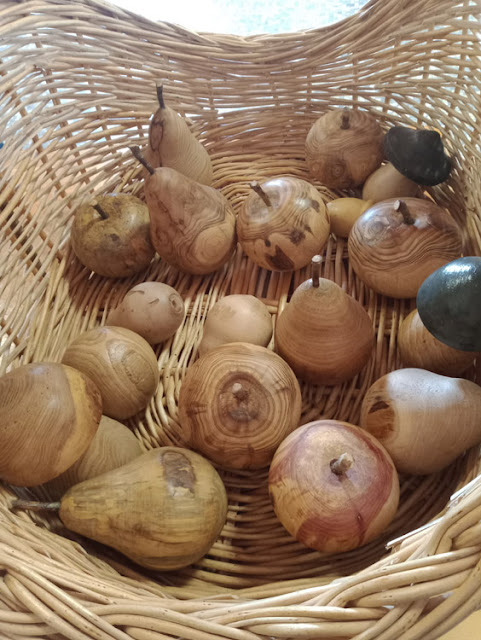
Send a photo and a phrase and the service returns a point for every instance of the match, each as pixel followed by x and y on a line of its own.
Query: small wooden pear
pixel 192 226
pixel 324 334
pixel 172 144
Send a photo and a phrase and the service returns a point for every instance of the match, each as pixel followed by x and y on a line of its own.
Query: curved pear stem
pixel 34 505
pixel 340 465
pixel 160 95
pixel 255 186
pixel 136 152
pixel 345 119
pixel 316 270
pixel 402 207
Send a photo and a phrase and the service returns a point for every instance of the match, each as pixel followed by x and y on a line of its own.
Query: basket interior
pixel 79 88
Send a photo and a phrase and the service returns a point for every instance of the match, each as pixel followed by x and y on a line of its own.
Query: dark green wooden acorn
pixel 418 154
pixel 449 303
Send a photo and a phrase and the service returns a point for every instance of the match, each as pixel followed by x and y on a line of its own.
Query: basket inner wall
pixel 79 88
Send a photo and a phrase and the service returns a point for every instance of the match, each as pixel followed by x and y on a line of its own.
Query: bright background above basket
pixel 246 17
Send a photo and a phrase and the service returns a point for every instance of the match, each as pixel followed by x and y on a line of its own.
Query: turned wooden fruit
pixel 386 182
pixel 122 365
pixel 237 403
pixel 283 222
pixel 192 225
pixel 396 244
pixel 343 213
pixel 420 349
pixel 236 318
pixel 333 486
pixel 323 333
pixel 424 420
pixel 343 147
pixel 111 235
pixel 113 445
pixel 49 414
pixel 154 310
pixel 163 510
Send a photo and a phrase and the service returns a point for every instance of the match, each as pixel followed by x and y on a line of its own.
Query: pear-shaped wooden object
pixel 192 226
pixel 172 144
pixel 163 510
pixel 324 334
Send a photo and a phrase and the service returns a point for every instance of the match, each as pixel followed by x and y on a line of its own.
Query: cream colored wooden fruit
pixel 154 310
pixel 343 213
pixel 163 510
pixel 424 420
pixel 122 365
pixel 324 334
pixel 419 348
pixel 386 182
pixel 333 486
pixel 282 223
pixel 343 147
pixel 113 445
pixel 236 318
pixel 49 414
pixel 396 244
pixel 237 403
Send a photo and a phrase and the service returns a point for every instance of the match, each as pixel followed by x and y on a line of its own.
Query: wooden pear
pixel 192 226
pixel 423 419
pixel 172 144
pixel 324 334
pixel 163 510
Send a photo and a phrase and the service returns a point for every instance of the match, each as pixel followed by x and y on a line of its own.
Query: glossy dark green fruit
pixel 449 303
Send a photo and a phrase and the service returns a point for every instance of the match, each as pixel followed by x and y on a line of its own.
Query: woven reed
pixel 77 87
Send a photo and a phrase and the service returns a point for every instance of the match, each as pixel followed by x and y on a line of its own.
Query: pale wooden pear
pixel 172 144
pixel 324 334
pixel 192 226
pixel 423 419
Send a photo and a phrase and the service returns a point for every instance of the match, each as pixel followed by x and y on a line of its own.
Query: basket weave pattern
pixel 77 88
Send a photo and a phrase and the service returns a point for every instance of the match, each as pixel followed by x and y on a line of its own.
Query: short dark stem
pixel 33 505
pixel 100 211
pixel 255 186
pixel 340 465
pixel 138 154
pixel 402 207
pixel 239 392
pixel 345 119
pixel 160 96
pixel 316 270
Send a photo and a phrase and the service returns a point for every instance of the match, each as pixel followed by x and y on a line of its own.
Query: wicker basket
pixel 77 87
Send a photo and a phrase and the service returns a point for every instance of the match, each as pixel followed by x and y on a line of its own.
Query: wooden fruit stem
pixel 33 505
pixel 402 207
pixel 340 465
pixel 316 270
pixel 255 186
pixel 99 210
pixel 345 119
pixel 160 96
pixel 136 152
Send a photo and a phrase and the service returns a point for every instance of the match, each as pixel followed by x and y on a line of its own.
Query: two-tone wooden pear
pixel 324 334
pixel 172 144
pixel 192 226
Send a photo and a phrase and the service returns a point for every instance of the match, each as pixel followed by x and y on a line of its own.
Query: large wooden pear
pixel 324 334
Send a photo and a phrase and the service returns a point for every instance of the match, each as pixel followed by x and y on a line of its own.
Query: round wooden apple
pixel 333 486
pixel 283 223
pixel 111 235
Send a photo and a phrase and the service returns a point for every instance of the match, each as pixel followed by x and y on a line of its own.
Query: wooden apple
pixel 111 235
pixel 283 223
